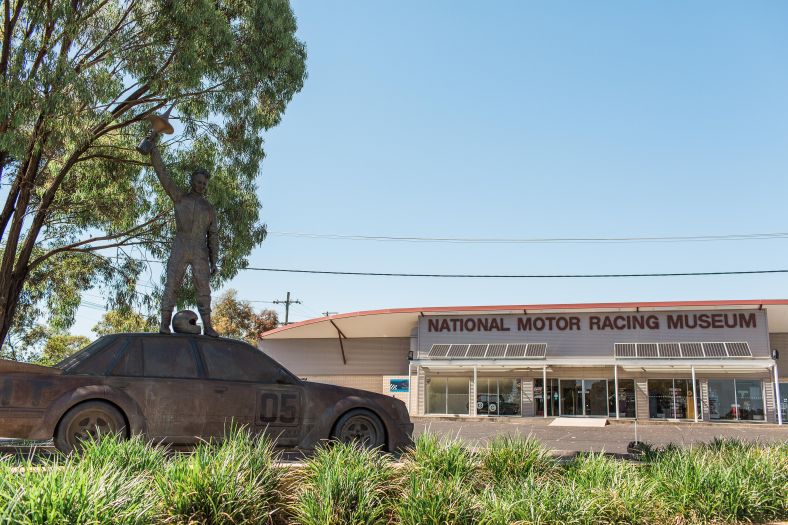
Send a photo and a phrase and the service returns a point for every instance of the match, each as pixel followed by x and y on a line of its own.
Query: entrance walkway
pixel 612 438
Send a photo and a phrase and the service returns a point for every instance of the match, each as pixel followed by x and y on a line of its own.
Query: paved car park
pixel 611 438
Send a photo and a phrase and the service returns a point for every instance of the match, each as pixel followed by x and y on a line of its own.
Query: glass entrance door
pixel 584 397
pixel 595 397
pixel 547 397
pixel 571 397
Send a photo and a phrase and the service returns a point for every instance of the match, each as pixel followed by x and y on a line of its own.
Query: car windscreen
pixel 74 360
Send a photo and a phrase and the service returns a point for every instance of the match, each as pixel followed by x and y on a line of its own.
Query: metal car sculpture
pixel 183 388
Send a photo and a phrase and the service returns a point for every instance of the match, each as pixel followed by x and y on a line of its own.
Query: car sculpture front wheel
pixel 88 421
pixel 361 426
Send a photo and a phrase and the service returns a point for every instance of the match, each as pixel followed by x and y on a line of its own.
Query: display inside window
pixel 672 399
pixel 736 400
pixel 498 396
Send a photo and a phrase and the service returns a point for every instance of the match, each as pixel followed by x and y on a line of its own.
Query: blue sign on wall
pixel 398 385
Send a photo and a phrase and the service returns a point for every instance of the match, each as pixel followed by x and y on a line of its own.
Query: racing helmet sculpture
pixel 185 322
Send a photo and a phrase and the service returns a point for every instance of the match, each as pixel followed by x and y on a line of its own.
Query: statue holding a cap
pixel 196 242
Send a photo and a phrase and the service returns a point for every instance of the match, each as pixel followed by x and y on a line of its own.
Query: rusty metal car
pixel 183 388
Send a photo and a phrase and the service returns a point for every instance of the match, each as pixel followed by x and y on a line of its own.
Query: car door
pixel 161 373
pixel 246 386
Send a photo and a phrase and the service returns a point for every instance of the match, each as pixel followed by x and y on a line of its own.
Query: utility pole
pixel 287 302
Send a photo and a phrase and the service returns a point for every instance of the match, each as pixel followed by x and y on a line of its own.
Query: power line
pixel 537 240
pixel 517 276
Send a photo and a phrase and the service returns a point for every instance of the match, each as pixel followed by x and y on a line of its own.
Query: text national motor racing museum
pixel 681 361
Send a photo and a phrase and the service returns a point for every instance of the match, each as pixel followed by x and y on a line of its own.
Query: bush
pixel 429 499
pixel 441 459
pixel 344 484
pixel 233 483
pixel 71 492
pixel 514 457
pixel 723 481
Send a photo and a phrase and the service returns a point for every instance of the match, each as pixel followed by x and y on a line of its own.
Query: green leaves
pixel 75 85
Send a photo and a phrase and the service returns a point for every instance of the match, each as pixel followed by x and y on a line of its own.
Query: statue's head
pixel 199 180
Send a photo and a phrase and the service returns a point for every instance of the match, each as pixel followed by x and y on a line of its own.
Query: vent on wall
pixel 713 350
pixel 491 351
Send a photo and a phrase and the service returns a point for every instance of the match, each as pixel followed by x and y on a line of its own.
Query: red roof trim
pixel 567 306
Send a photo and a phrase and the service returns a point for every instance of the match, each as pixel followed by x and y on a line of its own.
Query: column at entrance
pixel 473 390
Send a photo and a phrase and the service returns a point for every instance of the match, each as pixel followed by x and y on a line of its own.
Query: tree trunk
pixel 9 299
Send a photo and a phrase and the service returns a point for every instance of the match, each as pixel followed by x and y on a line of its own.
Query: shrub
pixel 429 499
pixel 613 491
pixel 514 457
pixel 441 459
pixel 234 482
pixel 70 492
pixel 132 455
pixel 531 500
pixel 724 481
pixel 344 484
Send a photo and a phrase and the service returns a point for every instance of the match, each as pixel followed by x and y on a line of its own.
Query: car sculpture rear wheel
pixel 361 426
pixel 88 421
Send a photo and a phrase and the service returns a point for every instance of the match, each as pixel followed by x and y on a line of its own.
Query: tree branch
pixel 79 245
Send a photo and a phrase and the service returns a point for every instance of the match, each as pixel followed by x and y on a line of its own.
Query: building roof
pixel 400 322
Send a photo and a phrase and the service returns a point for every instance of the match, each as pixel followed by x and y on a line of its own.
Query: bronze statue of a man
pixel 196 242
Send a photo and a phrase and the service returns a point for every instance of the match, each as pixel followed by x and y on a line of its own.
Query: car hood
pixel 15 367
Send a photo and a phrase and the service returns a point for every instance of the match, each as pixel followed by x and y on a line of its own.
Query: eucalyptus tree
pixel 77 80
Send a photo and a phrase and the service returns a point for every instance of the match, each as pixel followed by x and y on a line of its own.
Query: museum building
pixel 680 361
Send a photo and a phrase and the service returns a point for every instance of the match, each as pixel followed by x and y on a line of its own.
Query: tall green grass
pixel 439 482
pixel 232 483
pixel 344 483
pixel 73 491
pixel 516 457
pixel 723 481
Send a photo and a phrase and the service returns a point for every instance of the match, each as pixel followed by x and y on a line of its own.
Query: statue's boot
pixel 207 329
pixel 166 318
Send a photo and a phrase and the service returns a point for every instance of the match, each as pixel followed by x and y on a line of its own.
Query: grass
pixel 344 484
pixel 439 482
pixel 233 483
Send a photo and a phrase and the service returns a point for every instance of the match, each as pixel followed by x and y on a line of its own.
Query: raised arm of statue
pixel 170 187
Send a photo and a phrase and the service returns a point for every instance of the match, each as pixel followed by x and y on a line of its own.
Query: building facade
pixel 711 361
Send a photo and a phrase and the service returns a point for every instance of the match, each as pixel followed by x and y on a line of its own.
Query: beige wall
pixel 366 356
pixel 372 383
pixel 779 342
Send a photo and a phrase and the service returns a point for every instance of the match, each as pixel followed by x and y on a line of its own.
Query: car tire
pixel 89 420
pixel 362 426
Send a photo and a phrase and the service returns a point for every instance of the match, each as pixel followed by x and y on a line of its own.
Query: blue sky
pixel 527 119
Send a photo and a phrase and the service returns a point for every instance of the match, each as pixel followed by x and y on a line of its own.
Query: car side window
pixel 234 362
pixel 102 360
pixel 130 363
pixel 168 357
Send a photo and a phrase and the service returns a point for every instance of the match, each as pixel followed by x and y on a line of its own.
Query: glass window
pixel 660 398
pixel 168 356
pixel 457 395
pixel 736 399
pixel 447 395
pixel 551 394
pixel 749 397
pixel 595 397
pixel 784 401
pixel 498 396
pixel 436 395
pixel 103 359
pixel 235 362
pixel 130 364
pixel 671 399
pixel 626 398
pixel 571 397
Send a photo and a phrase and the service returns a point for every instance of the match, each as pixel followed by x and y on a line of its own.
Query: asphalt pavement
pixel 612 438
